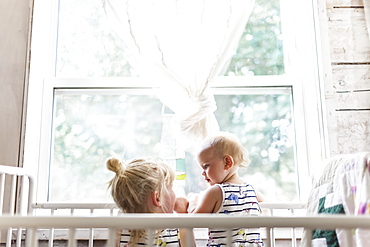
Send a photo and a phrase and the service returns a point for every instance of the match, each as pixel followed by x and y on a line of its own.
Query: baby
pixel 220 157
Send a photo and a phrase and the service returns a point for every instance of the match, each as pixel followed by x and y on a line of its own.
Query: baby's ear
pixel 229 161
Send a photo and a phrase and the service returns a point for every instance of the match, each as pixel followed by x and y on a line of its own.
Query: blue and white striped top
pixel 237 199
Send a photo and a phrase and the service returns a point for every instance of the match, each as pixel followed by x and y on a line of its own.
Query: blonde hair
pixel 134 183
pixel 225 143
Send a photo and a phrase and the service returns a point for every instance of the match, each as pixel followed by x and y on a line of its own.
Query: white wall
pixel 14 30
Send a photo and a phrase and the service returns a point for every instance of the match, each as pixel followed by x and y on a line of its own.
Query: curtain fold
pixel 183 45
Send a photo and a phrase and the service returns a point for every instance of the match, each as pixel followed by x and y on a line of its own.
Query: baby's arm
pixel 209 202
pixel 260 197
pixel 193 199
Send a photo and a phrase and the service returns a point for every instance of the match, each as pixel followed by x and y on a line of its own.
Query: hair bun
pixel 114 165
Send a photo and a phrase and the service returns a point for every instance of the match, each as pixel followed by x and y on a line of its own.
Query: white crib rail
pixel 110 209
pixel 15 185
pixel 16 175
pixel 155 221
pixel 49 208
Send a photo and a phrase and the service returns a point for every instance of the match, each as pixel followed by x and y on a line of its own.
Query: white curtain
pixel 367 15
pixel 183 44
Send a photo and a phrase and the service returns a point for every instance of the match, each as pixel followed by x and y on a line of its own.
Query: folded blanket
pixel 343 187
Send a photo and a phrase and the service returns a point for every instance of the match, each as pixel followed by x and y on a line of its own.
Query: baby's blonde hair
pixel 134 183
pixel 225 143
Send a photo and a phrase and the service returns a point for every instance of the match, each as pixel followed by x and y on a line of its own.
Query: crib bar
pixel 11 207
pixel 22 188
pixel 16 178
pixel 68 205
pixel 31 185
pixel 51 231
pixel 31 239
pixel 228 235
pixel 189 237
pixel 111 238
pixel 155 221
pixel 308 235
pixel 12 194
pixel 19 237
pixel 9 237
pixel 268 207
pixel 137 221
pixel 25 189
pixel 112 206
pixel 2 185
pixel 91 237
pixel 294 238
pixel 91 231
pixel 51 237
pixel 268 237
pixel 150 235
pixel 72 238
pixel 271 233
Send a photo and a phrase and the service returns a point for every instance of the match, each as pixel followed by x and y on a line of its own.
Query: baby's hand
pixel 181 205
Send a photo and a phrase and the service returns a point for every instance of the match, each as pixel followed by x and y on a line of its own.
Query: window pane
pixel 263 123
pixel 264 126
pixel 88 47
pixel 88 128
pixel 260 50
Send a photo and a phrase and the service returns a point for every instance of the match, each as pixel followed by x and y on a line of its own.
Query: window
pixel 86 102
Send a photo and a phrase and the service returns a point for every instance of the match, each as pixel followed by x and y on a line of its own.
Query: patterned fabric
pixel 237 199
pixel 167 237
pixel 342 187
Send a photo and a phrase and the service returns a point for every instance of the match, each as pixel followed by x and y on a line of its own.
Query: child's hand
pixel 181 205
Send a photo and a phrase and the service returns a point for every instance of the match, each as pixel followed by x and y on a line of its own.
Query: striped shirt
pixel 237 199
pixel 167 237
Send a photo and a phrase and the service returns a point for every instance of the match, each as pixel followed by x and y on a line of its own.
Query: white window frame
pixel 303 73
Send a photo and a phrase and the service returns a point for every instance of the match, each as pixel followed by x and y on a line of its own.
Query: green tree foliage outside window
pixel 260 50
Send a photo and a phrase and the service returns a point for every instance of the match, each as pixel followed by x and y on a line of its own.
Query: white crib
pixel 94 224
pixel 70 225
